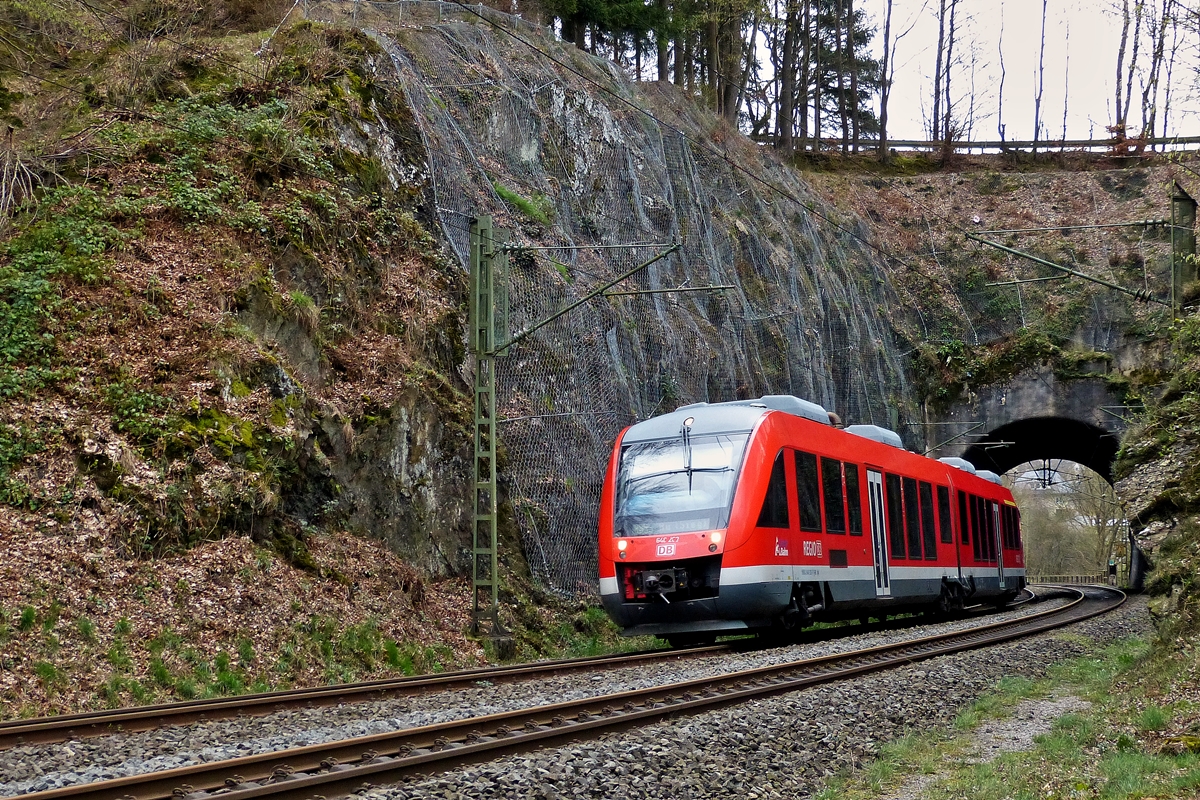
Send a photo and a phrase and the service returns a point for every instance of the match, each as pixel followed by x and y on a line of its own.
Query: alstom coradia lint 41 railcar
pixel 760 514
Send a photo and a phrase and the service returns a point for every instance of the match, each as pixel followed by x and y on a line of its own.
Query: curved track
pixel 338 768
pixel 48 730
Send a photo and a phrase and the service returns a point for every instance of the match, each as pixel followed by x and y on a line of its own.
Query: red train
pixel 760 514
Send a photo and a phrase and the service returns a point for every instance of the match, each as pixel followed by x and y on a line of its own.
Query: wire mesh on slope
pixel 508 133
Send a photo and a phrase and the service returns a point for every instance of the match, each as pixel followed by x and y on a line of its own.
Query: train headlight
pixel 716 537
pixel 622 544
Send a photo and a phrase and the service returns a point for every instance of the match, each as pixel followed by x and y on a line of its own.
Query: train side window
pixel 808 491
pixel 853 499
pixel 964 520
pixel 944 515
pixel 1006 526
pixel 1017 526
pixel 895 517
pixel 975 532
pixel 835 505
pixel 928 531
pixel 912 521
pixel 774 512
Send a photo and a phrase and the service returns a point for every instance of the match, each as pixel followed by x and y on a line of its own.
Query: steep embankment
pixel 218 321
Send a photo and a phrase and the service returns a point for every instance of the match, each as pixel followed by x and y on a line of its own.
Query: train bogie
pixel 755 515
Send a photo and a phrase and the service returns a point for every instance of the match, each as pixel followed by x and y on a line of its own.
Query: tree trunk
pixel 664 50
pixel 748 48
pixel 1120 121
pixel 885 85
pixel 1037 99
pixel 1150 90
pixel 1000 98
pixel 839 60
pixel 818 80
pixel 805 73
pixel 1133 57
pixel 853 99
pixel 947 117
pixel 713 61
pixel 787 84
pixel 936 129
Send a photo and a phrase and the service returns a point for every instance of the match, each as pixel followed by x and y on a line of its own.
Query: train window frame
pixel 776 482
pixel 928 522
pixel 893 494
pixel 945 525
pixel 976 540
pixel 912 518
pixel 808 524
pixel 833 492
pixel 854 515
pixel 964 518
pixel 990 510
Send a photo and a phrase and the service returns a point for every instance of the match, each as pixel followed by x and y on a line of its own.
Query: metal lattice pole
pixel 485 620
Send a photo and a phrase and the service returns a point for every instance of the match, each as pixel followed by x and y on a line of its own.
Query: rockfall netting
pixel 564 166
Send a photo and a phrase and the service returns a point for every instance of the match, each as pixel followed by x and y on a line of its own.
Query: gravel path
pixel 35 768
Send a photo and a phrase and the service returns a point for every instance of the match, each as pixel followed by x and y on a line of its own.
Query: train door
pixel 879 546
pixel 996 540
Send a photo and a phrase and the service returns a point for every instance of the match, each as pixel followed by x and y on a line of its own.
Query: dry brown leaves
pixel 213 596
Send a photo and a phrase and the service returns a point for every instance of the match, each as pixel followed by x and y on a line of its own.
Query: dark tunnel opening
pixel 1046 438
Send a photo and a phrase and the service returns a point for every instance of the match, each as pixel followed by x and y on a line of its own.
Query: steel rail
pixel 90 724
pixel 322 770
pixel 48 730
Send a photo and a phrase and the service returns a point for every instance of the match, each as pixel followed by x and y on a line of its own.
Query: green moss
pixel 540 208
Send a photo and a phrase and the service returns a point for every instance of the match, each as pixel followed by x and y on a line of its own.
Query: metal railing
pixel 1074 580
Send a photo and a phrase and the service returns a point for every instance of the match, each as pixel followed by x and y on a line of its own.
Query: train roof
pixel 731 417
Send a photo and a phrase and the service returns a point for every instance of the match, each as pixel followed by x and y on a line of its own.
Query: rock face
pixel 558 151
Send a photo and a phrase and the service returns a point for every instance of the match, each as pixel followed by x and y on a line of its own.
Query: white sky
pixel 1090 74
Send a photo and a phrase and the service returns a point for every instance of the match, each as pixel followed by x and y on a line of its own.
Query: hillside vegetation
pixel 210 309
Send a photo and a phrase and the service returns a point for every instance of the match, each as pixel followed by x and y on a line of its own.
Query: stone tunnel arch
pixel 1036 438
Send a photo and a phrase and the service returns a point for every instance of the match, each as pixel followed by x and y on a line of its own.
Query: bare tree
pixel 936 128
pixel 948 132
pixel 885 85
pixel 1000 97
pixel 1120 121
pixel 1150 87
pixel 1041 74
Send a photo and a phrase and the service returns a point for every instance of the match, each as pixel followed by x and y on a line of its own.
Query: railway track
pixel 49 730
pixel 343 767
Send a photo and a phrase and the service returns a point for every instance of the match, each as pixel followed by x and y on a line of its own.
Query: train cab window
pixel 944 515
pixel 912 519
pixel 976 536
pixel 808 491
pixel 835 505
pixel 895 517
pixel 964 521
pixel 928 530
pixel 774 512
pixel 853 500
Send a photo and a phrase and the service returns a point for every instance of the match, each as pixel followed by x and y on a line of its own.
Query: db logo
pixel 664 550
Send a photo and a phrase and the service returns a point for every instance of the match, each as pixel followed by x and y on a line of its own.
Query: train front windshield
pixel 677 486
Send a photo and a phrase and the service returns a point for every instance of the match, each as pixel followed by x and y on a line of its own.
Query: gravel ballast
pixel 787 742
